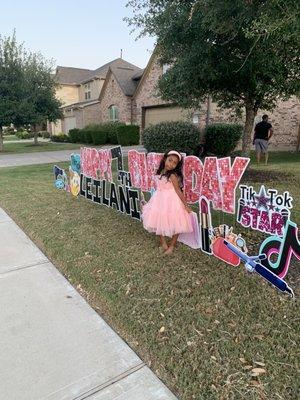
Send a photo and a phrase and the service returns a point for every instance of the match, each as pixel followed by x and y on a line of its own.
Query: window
pixel 113 113
pixel 87 91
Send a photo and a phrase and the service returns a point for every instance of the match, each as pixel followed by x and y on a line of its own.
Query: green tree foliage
pixel 244 53
pixel 27 88
pixel 11 60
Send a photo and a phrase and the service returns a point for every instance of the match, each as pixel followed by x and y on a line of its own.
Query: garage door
pixel 70 123
pixel 156 115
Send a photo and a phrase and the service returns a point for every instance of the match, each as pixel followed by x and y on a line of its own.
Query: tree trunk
pixel 35 135
pixel 298 142
pixel 248 128
pixel 1 140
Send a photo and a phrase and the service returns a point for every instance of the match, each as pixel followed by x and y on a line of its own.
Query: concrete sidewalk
pixel 54 346
pixel 45 157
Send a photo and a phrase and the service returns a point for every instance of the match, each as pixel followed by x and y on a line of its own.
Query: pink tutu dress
pixel 165 213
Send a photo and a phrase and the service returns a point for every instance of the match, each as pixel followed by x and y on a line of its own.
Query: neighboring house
pixel 116 102
pixel 79 90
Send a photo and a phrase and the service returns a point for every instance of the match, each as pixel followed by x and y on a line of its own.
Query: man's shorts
pixel 261 145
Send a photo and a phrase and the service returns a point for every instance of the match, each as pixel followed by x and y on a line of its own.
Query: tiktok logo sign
pixel 269 212
pixel 284 248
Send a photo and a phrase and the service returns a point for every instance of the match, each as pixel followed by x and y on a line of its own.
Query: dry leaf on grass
pixel 162 329
pixel 261 364
pixel 242 360
pixel 258 371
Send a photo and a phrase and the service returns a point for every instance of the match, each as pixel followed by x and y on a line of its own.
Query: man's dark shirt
pixel 262 129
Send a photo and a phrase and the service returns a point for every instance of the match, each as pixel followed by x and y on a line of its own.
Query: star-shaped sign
pixel 262 199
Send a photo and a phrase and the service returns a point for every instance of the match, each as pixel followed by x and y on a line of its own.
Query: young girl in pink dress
pixel 167 212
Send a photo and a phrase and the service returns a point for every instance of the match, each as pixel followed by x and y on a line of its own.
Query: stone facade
pixel 285 119
pixel 91 114
pixel 95 86
pixel 113 95
pixel 146 94
pixel 67 94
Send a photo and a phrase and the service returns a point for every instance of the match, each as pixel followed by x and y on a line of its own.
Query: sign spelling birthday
pixel 212 185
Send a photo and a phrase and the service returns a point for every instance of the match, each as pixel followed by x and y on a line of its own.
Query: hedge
pixel 106 132
pixel 182 136
pixel 61 137
pixel 74 135
pixel 24 135
pixel 128 135
pixel 222 139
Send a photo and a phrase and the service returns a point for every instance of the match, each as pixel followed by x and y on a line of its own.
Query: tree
pixel 11 59
pixel 38 92
pixel 244 53
pixel 27 88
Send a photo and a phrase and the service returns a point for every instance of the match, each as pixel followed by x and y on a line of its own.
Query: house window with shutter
pixel 113 113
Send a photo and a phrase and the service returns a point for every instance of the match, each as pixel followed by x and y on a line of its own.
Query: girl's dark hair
pixel 177 170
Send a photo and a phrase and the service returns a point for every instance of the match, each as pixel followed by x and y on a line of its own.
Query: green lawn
pixel 8 138
pixel 200 324
pixel 29 147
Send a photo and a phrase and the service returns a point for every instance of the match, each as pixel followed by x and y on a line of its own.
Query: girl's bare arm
pixel 175 182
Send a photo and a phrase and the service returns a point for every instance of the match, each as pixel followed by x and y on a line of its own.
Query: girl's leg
pixel 172 244
pixel 163 242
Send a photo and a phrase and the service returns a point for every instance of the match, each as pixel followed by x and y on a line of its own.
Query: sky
pixel 82 34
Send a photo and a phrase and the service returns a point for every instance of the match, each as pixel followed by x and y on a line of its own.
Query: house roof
pixel 77 76
pixel 81 104
pixel 125 78
pixel 70 75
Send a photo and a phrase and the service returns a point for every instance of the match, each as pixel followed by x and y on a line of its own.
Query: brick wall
pixel 285 120
pixel 147 94
pixel 113 95
pixel 91 114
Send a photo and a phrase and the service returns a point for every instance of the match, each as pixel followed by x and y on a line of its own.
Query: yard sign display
pixel 212 185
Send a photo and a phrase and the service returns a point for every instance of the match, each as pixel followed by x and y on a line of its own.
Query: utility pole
pixel 121 55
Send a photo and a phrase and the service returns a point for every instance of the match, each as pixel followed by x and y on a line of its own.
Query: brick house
pixel 120 91
pixel 79 90
pixel 116 101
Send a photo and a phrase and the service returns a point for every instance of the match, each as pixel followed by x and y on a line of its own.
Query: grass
pixel 28 147
pixel 218 321
pixel 8 138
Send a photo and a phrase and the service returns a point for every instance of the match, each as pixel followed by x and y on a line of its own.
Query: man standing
pixel 262 134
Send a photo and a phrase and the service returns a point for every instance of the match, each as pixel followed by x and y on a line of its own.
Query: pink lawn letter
pixel 192 177
pixel 137 165
pixel 105 160
pixel 211 183
pixel 229 179
pixel 153 161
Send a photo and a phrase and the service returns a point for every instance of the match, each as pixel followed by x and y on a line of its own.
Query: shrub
pixel 128 135
pixel 222 139
pixel 24 135
pixel 8 130
pixel 87 135
pixel 99 136
pixel 182 136
pixel 44 134
pixel 75 135
pixel 61 137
